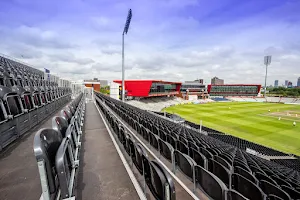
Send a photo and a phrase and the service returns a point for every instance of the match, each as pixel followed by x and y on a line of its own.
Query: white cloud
pixel 161 44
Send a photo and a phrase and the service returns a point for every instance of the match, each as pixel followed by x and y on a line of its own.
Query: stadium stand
pixel 156 104
pixel 26 99
pixel 57 151
pixel 220 99
pixel 261 99
pixel 291 163
pixel 244 144
pixel 273 99
pixel 287 100
pixel 219 169
pixel 158 180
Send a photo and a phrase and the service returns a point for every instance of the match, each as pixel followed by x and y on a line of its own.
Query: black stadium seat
pixel 294 194
pixel 57 152
pixel 246 187
pixel 216 154
pixel 60 124
pixel 210 184
pixel 140 152
pixel 46 144
pixel 166 150
pixel 198 157
pixel 234 195
pixel 271 189
pixel 246 174
pixel 158 180
pixel 153 140
pixel 185 163
pixel 221 172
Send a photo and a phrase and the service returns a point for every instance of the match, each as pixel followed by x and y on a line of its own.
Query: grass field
pixel 250 121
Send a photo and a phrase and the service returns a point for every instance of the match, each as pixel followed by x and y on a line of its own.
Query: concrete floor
pixel 19 177
pixel 102 175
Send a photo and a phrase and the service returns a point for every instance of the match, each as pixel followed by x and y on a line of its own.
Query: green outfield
pixel 250 121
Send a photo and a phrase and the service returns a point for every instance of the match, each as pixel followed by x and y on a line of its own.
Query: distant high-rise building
pixel 216 81
pixel 286 82
pixel 290 84
pixel 298 82
pixel 276 83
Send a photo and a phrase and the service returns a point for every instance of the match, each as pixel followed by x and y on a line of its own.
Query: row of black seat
pixel 19 68
pixel 291 163
pixel 25 99
pixel 244 144
pixel 229 170
pixel 158 180
pixel 57 151
pixel 238 142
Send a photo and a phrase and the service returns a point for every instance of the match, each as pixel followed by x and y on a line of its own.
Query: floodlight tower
pixel 267 61
pixel 123 69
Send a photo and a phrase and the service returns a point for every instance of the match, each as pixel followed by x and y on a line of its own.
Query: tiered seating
pixel 273 99
pixel 291 163
pixel 57 151
pixel 204 128
pixel 287 100
pixel 26 99
pixel 158 180
pixel 260 99
pixel 236 99
pixel 244 144
pixel 220 170
pixel 248 99
pixel 218 99
pixel 297 101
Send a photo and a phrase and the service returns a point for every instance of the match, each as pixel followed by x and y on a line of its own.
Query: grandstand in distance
pixel 73 142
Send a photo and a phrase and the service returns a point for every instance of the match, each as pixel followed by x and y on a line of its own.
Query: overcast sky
pixel 174 40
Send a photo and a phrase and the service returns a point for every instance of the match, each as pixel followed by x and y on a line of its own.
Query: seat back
pixel 66 114
pixel 245 173
pixel 246 187
pixel 221 172
pixel 198 157
pixel 45 146
pixel 140 152
pixel 270 188
pixel 223 162
pixel 294 194
pixel 159 180
pixel 182 147
pixel 166 149
pixel 185 163
pixel 210 183
pixel 261 176
pixel 153 140
pixel 171 140
pixel 60 124
pixel 64 167
pixel 234 195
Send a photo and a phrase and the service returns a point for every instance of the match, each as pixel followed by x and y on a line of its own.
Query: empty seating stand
pixel 26 99
pixel 57 151
pixel 216 166
pixel 157 179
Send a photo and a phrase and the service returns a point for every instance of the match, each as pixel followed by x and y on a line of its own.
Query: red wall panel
pixel 138 88
pixel 141 88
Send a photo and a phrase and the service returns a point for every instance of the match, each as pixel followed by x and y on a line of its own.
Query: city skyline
pixel 169 39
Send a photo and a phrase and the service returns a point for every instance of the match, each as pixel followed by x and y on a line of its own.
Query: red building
pixel 150 88
pixel 233 90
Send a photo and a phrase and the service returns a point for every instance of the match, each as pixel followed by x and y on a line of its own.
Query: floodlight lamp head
pixel 129 16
